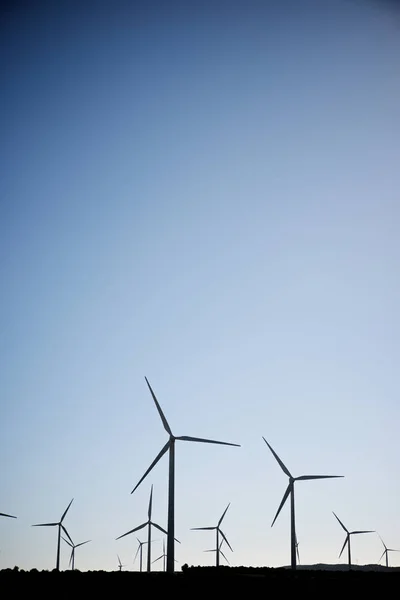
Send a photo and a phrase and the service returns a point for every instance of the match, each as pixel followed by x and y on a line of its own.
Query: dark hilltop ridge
pixel 207 582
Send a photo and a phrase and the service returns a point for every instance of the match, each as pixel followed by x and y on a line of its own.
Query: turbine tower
pixel 290 491
pixel 218 532
pixel 386 551
pixel 170 446
pixel 347 540
pixel 73 546
pixel 60 527
pixel 149 523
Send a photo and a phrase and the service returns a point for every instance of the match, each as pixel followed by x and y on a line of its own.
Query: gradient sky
pixel 209 196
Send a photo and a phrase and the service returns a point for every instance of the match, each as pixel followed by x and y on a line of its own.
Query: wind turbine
pixel 218 532
pixel 297 551
pixel 290 491
pixel 219 550
pixel 5 515
pixel 164 556
pixel 170 445
pixel 386 551
pixel 120 565
pixel 150 523
pixel 73 546
pixel 140 552
pixel 347 540
pixel 60 527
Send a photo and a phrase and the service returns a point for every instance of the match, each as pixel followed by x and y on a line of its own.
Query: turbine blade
pixel 224 557
pixel 66 533
pixel 119 560
pixel 131 531
pixel 82 543
pixel 137 552
pixel 209 550
pixel 223 514
pixel 382 540
pixel 71 557
pixel 160 412
pixel 155 461
pixel 285 495
pixel 66 510
pixel 346 530
pixel 354 532
pixel 198 528
pixel 5 515
pixel 383 554
pixel 304 477
pixel 283 467
pixel 45 524
pixel 344 545
pixel 153 561
pixel 160 528
pixel 150 503
pixel 69 543
pixel 226 541
pixel 188 438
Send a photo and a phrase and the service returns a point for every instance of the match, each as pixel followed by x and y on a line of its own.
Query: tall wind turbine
pixel 149 523
pixel 60 527
pixel 170 446
pixel 347 540
pixel 73 546
pixel 386 551
pixel 290 491
pixel 140 552
pixel 218 532
pixel 5 515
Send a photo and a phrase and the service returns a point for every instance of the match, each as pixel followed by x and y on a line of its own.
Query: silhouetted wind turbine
pixel 347 540
pixel 297 551
pixel 60 526
pixel 150 523
pixel 386 551
pixel 290 491
pixel 5 515
pixel 164 556
pixel 140 552
pixel 73 546
pixel 218 531
pixel 120 565
pixel 219 550
pixel 170 445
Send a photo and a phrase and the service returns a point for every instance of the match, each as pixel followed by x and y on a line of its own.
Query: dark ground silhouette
pixel 193 582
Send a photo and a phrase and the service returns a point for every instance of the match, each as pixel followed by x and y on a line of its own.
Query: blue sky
pixel 207 196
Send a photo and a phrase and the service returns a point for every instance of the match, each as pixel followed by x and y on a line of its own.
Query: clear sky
pixel 206 194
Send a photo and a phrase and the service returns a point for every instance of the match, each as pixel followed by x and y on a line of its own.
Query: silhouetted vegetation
pixel 194 581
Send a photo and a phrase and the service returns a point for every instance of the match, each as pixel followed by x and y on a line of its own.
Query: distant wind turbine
pixel 347 540
pixel 386 551
pixel 5 515
pixel 148 523
pixel 120 565
pixel 73 546
pixel 290 491
pixel 218 532
pixel 170 445
pixel 140 552
pixel 219 550
pixel 164 556
pixel 297 551
pixel 60 527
